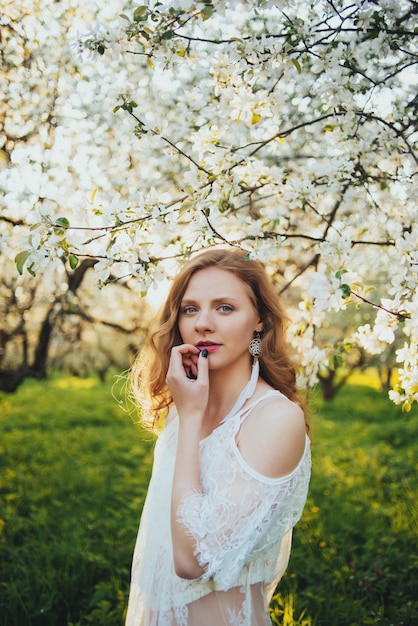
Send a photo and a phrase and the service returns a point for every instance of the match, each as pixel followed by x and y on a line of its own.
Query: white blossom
pixel 296 144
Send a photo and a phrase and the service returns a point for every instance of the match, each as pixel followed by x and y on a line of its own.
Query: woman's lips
pixel 210 347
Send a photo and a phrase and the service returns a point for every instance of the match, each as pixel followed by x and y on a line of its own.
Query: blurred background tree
pixel 56 139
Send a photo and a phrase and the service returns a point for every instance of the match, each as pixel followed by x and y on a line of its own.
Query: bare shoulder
pixel 273 437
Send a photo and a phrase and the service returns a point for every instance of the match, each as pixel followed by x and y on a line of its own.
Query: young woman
pixel 232 464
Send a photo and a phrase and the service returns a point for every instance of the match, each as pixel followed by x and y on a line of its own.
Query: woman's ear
pixel 259 327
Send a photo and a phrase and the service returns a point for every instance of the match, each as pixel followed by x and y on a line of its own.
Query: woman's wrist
pixel 190 424
pixel 194 415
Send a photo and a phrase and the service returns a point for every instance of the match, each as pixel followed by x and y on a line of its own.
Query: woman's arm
pixel 258 490
pixel 190 397
pixel 186 481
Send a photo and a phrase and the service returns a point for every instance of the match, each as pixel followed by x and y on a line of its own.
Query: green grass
pixel 73 476
pixel 74 472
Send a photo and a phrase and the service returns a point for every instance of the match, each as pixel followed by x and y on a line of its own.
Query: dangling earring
pixel 255 346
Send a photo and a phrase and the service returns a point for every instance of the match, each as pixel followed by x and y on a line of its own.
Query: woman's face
pixel 217 313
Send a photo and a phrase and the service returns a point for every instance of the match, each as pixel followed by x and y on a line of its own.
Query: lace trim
pixel 239 518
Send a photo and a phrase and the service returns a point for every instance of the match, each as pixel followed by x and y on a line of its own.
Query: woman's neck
pixel 224 389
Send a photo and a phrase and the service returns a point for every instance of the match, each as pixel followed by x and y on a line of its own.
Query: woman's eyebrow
pixel 214 301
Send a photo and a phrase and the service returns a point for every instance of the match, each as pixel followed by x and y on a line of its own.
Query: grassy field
pixel 73 475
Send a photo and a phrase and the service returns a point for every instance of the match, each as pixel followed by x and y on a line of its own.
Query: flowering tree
pixel 54 134
pixel 287 129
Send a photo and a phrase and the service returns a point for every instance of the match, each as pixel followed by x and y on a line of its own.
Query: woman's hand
pixel 188 380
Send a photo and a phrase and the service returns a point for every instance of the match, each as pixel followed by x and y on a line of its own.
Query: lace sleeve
pixel 240 513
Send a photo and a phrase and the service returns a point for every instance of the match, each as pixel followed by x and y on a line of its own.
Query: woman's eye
pixel 188 310
pixel 226 308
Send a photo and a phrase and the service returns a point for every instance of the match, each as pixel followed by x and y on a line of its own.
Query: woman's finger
pixel 183 360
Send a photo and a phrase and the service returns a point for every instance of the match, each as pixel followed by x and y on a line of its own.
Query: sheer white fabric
pixel 242 525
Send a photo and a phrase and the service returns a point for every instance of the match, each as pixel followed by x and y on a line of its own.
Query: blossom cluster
pixel 287 129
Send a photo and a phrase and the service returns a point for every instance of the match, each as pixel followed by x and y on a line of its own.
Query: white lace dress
pixel 242 524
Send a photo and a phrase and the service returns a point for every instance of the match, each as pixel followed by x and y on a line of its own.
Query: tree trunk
pixel 12 378
pixel 41 352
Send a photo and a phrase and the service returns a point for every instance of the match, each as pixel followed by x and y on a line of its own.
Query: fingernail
pixel 204 353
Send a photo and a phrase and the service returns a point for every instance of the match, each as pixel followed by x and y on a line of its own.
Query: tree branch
pixel 401 315
pixel 392 127
pixel 172 144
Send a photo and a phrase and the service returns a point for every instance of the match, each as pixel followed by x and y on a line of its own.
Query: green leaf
pixel 207 13
pixel 73 261
pixel 404 315
pixel 185 207
pixel 297 65
pixel 20 260
pixel 62 221
pixel 140 13
pixel 346 290
pixel 340 273
pixel 169 34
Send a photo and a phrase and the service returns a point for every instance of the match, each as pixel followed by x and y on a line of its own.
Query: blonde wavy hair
pixel 277 368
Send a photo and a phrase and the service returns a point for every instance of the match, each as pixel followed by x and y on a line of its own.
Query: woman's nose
pixel 204 321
